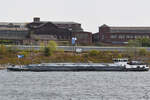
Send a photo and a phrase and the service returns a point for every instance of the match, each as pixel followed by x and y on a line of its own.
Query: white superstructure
pixel 129 64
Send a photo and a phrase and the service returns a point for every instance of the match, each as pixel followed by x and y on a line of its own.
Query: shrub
pixel 3 49
pixel 60 51
pixel 47 51
pixel 85 55
pixel 42 46
pixel 142 52
pixel 52 45
pixel 93 52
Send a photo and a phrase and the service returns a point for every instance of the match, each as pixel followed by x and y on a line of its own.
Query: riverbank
pixel 36 57
pixel 51 55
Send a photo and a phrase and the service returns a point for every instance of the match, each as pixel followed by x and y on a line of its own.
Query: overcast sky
pixel 90 13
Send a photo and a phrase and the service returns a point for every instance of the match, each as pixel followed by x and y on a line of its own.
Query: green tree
pixel 145 42
pixel 132 48
pixel 134 43
pixel 42 46
pixel 52 45
pixel 139 42
pixel 47 51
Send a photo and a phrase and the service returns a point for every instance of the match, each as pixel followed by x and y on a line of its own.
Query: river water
pixel 74 85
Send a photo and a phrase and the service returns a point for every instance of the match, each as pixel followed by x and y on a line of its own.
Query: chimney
pixel 36 19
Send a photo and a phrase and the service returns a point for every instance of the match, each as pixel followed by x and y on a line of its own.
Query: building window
pixel 129 36
pixel 138 36
pixel 102 37
pixel 113 36
pixel 147 36
pixel 121 36
pixel 135 36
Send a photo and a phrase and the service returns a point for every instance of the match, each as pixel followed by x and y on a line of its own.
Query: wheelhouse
pixel 136 63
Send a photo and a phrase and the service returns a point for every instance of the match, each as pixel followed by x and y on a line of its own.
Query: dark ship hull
pixel 75 67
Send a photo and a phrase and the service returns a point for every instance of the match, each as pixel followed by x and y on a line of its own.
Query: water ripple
pixel 74 85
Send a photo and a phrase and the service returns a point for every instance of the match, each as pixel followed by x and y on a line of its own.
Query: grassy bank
pixel 50 54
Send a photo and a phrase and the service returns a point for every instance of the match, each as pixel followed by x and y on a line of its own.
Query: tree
pixel 42 46
pixel 145 42
pixel 133 46
pixel 49 50
pixel 139 42
pixel 134 43
pixel 52 45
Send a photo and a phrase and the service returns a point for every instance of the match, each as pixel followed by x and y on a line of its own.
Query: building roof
pixel 11 26
pixel 71 26
pixel 61 22
pixel 13 29
pixel 54 22
pixel 130 29
pixel 14 23
pixel 115 29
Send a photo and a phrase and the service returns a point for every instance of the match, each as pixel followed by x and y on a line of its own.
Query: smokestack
pixel 36 19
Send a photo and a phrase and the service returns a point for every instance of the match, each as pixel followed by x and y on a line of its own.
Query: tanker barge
pixel 118 65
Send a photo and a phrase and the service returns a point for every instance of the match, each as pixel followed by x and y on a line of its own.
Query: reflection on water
pixel 74 85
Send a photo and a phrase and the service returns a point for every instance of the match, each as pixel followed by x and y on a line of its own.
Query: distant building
pixel 84 38
pixel 44 31
pixel 95 37
pixel 14 33
pixel 37 32
pixel 120 35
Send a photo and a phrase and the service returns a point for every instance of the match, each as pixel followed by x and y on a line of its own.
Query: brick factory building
pixel 43 31
pixel 13 33
pixel 84 38
pixel 120 35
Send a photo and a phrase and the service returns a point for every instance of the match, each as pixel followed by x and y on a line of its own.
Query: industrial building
pixel 37 32
pixel 120 35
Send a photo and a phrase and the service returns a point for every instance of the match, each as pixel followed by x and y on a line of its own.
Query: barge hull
pixel 51 68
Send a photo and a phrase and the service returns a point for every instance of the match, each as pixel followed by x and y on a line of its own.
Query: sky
pixel 90 13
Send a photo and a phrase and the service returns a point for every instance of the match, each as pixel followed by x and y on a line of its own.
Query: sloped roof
pixel 14 23
pixel 54 22
pixel 64 25
pixel 61 22
pixel 41 24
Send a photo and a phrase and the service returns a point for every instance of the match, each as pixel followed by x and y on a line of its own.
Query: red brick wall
pixel 104 33
pixel 83 37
